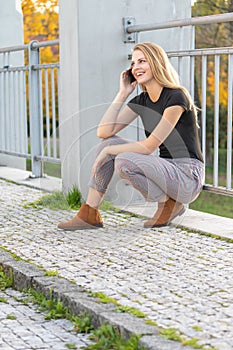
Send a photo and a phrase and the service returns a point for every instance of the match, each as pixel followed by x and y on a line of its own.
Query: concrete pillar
pixel 11 34
pixel 92 56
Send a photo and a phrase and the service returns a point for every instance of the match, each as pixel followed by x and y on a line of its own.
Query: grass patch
pixel 54 201
pixel 3 300
pixel 74 198
pixel 58 201
pixel 197 328
pixel 5 281
pixel 72 201
pixel 71 346
pixel 108 337
pixel 103 298
pixel 214 204
pixel 108 206
pixel 151 323
pixel 50 169
pixel 55 309
pixel 11 317
pixel 51 273
pixel 131 310
pixel 176 335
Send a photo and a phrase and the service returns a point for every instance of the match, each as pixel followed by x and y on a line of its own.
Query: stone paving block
pixel 23 273
pixel 5 256
pixel 127 323
pixel 72 296
pixel 59 286
pixel 155 342
pixel 5 346
pixel 81 303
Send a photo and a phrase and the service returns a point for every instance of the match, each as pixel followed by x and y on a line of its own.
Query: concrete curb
pixel 78 301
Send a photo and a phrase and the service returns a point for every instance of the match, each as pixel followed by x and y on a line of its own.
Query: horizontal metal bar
pixel 45 66
pixel 226 17
pixel 16 154
pixel 37 44
pixel 26 155
pixel 218 190
pixel 14 48
pixel 14 69
pixel 48 159
pixel 201 52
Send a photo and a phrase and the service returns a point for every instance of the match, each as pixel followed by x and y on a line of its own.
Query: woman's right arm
pixel 113 120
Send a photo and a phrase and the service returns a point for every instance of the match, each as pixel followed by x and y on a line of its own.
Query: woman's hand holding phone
pixel 127 82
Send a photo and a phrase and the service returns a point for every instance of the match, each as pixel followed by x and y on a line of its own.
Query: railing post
pixel 34 110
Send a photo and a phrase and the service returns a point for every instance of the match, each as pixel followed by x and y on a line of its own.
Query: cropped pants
pixel 180 179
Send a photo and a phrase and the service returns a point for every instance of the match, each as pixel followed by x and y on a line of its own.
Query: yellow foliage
pixel 223 86
pixel 41 23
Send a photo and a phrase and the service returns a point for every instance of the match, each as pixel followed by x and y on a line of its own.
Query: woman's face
pixel 140 68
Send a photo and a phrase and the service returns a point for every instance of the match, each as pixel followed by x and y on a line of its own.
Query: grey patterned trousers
pixel 181 178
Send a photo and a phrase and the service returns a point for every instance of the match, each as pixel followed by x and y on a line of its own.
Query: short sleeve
pixel 177 98
pixel 136 102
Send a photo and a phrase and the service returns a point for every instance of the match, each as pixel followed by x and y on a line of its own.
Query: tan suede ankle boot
pixel 165 214
pixel 86 218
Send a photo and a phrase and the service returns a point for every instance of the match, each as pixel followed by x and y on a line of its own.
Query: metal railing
pixel 29 110
pixel 213 61
pixel 203 64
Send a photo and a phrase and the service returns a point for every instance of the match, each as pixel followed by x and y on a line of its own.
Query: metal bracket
pixel 129 37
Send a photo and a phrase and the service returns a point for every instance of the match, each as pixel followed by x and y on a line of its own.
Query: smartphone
pixel 130 75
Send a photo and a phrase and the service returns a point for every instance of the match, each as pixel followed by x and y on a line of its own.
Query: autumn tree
pixel 41 24
pixel 216 35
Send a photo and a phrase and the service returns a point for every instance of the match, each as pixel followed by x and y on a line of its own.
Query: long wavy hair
pixel 163 71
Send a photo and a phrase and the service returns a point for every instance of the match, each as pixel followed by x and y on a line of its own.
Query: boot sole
pixel 81 228
pixel 169 222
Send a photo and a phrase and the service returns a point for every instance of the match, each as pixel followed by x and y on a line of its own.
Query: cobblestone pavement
pixel 23 327
pixel 177 278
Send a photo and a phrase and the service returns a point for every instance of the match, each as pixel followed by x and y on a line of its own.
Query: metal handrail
pixel 14 48
pixel 220 18
pixel 34 45
pixel 201 52
pixel 38 44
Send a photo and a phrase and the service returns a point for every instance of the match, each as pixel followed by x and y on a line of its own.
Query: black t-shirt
pixel 183 141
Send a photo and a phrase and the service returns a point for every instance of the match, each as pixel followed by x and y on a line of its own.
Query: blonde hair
pixel 163 71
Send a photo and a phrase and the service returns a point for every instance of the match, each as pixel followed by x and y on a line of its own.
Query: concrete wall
pixel 92 56
pixel 11 34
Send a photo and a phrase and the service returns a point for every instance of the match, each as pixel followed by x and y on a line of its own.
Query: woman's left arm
pixel 167 123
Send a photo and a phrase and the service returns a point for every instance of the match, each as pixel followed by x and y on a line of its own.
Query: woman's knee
pixel 123 165
pixel 113 140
